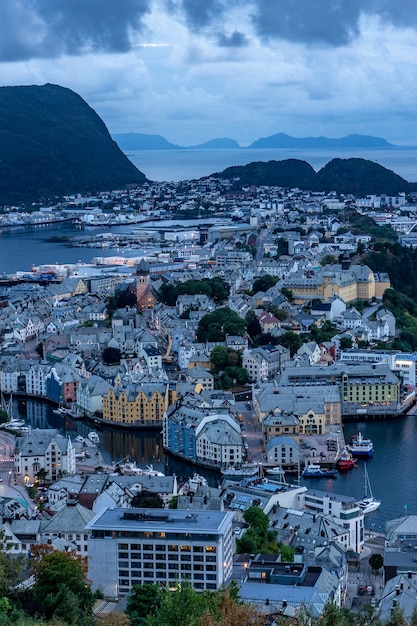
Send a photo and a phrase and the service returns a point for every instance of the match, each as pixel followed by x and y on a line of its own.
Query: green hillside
pixel 359 177
pixel 287 173
pixel 52 143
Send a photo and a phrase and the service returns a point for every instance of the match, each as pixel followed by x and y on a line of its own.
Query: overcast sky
pixel 192 70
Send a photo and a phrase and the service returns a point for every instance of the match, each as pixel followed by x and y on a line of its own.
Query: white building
pixel 136 546
pixel 43 449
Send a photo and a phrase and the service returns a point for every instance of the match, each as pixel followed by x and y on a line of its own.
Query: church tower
pixel 145 298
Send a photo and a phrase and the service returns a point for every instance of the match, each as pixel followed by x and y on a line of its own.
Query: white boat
pixel 130 468
pixel 79 438
pixel 93 437
pixel 60 411
pixel 192 484
pixel 245 470
pixel 368 503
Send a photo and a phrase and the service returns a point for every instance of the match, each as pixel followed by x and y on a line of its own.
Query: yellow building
pixel 138 404
pixel 356 282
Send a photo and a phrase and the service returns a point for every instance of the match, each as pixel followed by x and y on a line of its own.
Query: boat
pixel 192 484
pixel 12 424
pixel 315 471
pixel 359 446
pixel 93 437
pixel 275 471
pixel 79 438
pixel 60 411
pixel 346 461
pixel 130 468
pixel 368 503
pixel 240 471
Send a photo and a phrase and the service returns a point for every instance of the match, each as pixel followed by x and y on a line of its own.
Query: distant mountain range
pixel 141 141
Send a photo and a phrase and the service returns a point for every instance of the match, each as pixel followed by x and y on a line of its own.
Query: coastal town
pixel 247 329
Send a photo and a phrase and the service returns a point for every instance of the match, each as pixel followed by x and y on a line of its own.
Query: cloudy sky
pixel 192 70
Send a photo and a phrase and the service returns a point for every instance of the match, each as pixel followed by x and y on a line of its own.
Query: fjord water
pixel 176 165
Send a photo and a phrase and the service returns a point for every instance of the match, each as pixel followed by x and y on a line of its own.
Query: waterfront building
pixel 282 451
pixel 202 434
pixel 366 389
pixel 43 449
pixel 90 393
pixel 138 404
pixel 61 383
pixel 402 364
pixel 130 547
pixel 283 410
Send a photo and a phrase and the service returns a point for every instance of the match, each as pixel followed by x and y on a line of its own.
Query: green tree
pixel 180 607
pixel 221 322
pixel 61 588
pixel 288 294
pixel 143 602
pixel 4 417
pixel 11 568
pixel 263 283
pixel 291 340
pixel 218 357
pixel 328 259
pixel 376 561
pixel 111 356
pixel 39 350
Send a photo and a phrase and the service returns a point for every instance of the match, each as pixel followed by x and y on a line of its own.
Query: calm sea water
pixel 176 165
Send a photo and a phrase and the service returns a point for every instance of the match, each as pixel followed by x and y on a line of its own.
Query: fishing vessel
pixel 361 447
pixel 346 461
pixel 130 468
pixel 368 503
pixel 315 471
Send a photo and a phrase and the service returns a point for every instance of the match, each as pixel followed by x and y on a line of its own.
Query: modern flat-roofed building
pixel 136 546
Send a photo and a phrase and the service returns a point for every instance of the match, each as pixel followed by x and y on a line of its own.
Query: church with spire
pixel 145 296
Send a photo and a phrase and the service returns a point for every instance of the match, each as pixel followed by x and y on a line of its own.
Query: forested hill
pixel 344 176
pixel 52 143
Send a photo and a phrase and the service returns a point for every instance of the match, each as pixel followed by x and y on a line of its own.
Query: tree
pixel 61 588
pixel 292 341
pixel 39 350
pixel 328 259
pixel 147 500
pixel 218 357
pixel 111 356
pixel 376 561
pixel 143 601
pixel 184 605
pixel 221 322
pixel 287 293
pixel 230 612
pixel 264 283
pixel 11 568
pixel 4 417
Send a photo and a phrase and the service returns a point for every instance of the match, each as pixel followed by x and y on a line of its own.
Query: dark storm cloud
pixel 329 22
pixel 332 22
pixel 48 28
pixel 199 14
pixel 235 40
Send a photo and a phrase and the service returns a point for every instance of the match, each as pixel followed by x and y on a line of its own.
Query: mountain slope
pixel 52 143
pixel 359 177
pixel 286 173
